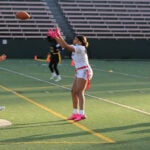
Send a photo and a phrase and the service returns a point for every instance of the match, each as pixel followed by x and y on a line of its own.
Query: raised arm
pixel 64 44
pixel 55 34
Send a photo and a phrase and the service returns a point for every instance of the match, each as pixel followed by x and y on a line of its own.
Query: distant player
pixel 2 108
pixel 83 71
pixel 55 59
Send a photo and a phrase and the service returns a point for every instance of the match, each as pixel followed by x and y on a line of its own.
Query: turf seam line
pixel 92 96
pixel 99 135
pixel 124 74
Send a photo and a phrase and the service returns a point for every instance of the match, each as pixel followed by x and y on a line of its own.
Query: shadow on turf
pixel 44 137
pixel 37 124
pixel 141 128
pixel 140 125
pixel 51 136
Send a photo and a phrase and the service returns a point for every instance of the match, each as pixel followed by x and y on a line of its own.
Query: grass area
pixel 117 107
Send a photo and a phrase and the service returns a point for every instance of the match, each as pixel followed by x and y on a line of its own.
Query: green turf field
pixel 117 106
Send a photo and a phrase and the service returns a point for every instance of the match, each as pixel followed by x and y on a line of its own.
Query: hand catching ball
pixel 22 15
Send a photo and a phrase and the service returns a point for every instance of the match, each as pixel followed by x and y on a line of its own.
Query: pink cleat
pixel 80 117
pixel 73 116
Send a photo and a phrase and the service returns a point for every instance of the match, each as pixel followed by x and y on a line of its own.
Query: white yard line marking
pixel 118 104
pixel 92 96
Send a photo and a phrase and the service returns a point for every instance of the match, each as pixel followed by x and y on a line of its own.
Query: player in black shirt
pixel 55 59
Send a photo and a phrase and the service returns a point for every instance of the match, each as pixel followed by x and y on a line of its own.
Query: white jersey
pixel 80 56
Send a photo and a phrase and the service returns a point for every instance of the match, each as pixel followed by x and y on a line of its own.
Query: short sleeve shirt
pixel 80 56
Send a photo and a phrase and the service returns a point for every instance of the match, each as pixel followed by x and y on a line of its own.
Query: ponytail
pixel 83 40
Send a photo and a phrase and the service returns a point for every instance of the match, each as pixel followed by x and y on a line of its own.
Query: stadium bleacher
pixel 108 19
pixel 36 27
pixel 96 19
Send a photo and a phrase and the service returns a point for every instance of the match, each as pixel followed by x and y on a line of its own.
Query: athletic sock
pixel 82 112
pixel 75 111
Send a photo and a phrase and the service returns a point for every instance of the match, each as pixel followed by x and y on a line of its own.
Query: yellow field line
pixel 50 142
pixel 101 136
pixel 33 88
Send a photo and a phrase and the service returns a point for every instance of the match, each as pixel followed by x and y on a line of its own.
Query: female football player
pixel 83 74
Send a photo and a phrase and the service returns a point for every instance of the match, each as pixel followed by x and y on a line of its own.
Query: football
pixel 23 15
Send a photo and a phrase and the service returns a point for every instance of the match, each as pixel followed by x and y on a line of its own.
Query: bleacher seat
pixel 36 27
pixel 108 19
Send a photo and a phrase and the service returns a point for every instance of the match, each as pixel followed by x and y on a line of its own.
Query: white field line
pixel 92 96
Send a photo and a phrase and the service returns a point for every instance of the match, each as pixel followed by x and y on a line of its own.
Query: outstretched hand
pixel 54 33
pixel 57 32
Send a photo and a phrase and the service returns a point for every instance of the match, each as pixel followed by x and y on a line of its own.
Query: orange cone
pixel 48 58
pixel 72 63
pixel 35 57
pixel 3 57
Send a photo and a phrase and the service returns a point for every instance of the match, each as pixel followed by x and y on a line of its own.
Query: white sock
pixel 53 74
pixel 75 111
pixel 58 76
pixel 82 112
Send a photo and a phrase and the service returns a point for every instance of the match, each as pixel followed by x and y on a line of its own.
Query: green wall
pixel 99 49
pixel 119 49
pixel 21 48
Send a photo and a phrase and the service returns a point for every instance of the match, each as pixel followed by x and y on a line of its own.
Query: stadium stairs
pixel 60 19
